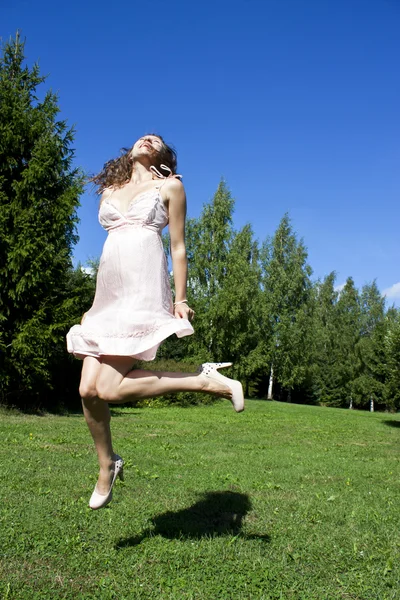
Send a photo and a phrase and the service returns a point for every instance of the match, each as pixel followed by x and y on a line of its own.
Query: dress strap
pixel 163 177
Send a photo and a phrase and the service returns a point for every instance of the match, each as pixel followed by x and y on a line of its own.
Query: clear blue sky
pixel 294 102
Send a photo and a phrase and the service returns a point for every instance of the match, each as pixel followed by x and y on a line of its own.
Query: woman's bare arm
pixel 174 193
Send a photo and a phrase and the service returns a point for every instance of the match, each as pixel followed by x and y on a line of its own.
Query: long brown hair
pixel 118 171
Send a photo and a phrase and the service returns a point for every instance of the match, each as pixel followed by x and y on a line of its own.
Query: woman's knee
pixel 87 390
pixel 107 391
pixel 90 370
pixel 110 377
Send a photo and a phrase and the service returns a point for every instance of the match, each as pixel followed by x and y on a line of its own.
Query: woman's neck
pixel 140 173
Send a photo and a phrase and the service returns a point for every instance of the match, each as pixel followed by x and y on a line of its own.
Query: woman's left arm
pixel 176 198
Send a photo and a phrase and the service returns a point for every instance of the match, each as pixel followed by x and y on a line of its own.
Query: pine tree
pixel 39 191
pixel 349 322
pixel 392 355
pixel 238 318
pixel 368 387
pixel 285 323
pixel 336 334
pixel 325 342
pixel 208 242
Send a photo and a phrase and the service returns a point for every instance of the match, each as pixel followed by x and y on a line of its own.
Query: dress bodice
pixel 147 210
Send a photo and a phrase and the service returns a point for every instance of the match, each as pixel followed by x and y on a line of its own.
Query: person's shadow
pixel 214 514
pixel 392 423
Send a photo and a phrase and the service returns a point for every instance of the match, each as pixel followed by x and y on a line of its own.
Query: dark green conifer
pixel 368 388
pixel 39 192
pixel 286 292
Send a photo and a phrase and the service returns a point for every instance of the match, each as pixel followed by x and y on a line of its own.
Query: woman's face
pixel 148 145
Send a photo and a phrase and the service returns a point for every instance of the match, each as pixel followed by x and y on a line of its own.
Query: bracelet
pixel 181 302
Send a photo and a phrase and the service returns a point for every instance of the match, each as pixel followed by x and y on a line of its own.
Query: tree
pixel 286 319
pixel 336 334
pixel 237 320
pixel 392 354
pixel 39 192
pixel 208 242
pixel 349 321
pixel 369 385
pixel 325 370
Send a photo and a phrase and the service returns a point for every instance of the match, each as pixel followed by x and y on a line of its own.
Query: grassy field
pixel 280 502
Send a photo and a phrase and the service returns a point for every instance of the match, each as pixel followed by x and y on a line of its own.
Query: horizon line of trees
pixel 290 338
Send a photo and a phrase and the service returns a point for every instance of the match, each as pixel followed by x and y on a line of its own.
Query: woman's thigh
pixel 90 370
pixel 112 371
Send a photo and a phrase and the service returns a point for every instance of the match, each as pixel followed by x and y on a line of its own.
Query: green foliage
pixel 286 306
pixel 335 336
pixel 348 311
pixel 224 274
pixel 369 383
pixel 259 308
pixel 392 354
pixel 39 191
pixel 208 242
pixel 350 357
pixel 255 306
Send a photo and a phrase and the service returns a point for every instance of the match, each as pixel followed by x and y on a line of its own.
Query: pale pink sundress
pixel 132 311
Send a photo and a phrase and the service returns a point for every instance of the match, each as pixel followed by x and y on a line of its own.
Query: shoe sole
pixel 237 395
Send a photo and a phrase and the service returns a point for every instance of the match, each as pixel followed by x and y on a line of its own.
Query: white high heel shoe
pixel 99 500
pixel 210 370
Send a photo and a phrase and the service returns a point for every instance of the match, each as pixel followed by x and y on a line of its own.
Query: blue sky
pixel 295 103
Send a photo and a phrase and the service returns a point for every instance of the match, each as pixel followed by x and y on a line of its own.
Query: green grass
pixel 282 501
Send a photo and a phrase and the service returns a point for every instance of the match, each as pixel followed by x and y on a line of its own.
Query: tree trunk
pixel 371 404
pixel 351 403
pixel 211 340
pixel 289 395
pixel 271 383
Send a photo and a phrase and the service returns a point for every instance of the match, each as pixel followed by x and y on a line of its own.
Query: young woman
pixel 133 312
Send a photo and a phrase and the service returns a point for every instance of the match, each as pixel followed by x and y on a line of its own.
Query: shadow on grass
pixel 119 412
pixel 215 514
pixel 392 423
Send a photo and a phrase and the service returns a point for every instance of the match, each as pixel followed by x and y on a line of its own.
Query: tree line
pixel 290 338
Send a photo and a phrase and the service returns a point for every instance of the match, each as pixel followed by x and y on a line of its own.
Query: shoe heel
pixel 212 370
pixel 218 366
pixel 99 500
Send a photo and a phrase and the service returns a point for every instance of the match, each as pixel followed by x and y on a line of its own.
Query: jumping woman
pixel 133 311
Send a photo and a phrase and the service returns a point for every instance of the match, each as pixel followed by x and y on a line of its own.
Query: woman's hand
pixel 183 311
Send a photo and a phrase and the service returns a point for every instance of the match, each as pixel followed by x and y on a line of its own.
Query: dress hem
pixel 81 345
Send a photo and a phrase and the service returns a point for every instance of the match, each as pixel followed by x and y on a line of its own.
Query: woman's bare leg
pixel 117 382
pixel 111 379
pixel 97 416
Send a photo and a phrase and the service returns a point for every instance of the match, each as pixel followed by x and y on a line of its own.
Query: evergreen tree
pixel 208 242
pixel 325 342
pixel 237 321
pixel 39 191
pixel 336 334
pixel 286 292
pixel 349 323
pixel 392 354
pixel 368 387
